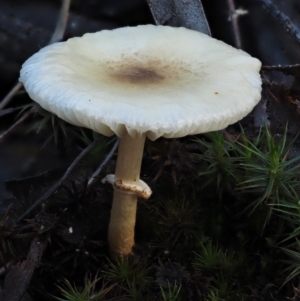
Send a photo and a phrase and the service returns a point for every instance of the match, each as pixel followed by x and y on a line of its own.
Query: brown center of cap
pixel 137 75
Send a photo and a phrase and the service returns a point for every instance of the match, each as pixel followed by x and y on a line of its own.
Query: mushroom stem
pixel 123 212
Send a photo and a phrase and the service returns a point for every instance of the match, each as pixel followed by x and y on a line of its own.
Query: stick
pixel 58 184
pixel 20 120
pixel 105 161
pixel 234 16
pixel 10 95
pixel 61 23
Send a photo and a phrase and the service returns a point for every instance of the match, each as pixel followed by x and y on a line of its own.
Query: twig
pixel 62 22
pixel 282 19
pixel 105 161
pixel 58 184
pixel 5 268
pixel 10 95
pixel 234 16
pixel 280 67
pixel 20 120
pixel 56 36
pixel 7 111
pixel 30 178
pixel 293 70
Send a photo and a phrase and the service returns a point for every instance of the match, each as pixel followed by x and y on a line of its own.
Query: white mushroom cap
pixel 153 80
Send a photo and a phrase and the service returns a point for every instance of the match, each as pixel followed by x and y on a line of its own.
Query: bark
pixel 19 276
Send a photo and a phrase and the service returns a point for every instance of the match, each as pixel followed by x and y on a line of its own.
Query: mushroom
pixel 137 82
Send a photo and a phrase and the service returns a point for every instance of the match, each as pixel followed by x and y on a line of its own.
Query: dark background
pixel 26 26
pixel 270 31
